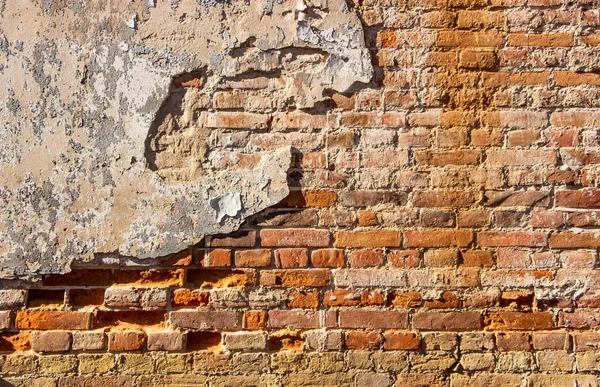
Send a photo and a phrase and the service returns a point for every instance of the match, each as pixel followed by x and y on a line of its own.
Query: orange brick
pixel 303 300
pixel 254 319
pixel 397 340
pixel 556 39
pixel 291 258
pixel 341 297
pixel 52 320
pixel 295 278
pixel 217 258
pixel 302 199
pixel 327 258
pixel 374 238
pixel 469 39
pixel 253 258
pixel 406 299
pixel 295 238
pixel 519 321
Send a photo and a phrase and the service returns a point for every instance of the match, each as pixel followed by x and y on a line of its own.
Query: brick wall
pixel 441 232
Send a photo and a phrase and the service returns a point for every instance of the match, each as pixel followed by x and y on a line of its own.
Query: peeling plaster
pixel 85 85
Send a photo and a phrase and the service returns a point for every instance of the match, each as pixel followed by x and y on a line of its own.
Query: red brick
pixel 126 341
pixel 166 341
pixel 362 340
pixel 327 258
pixel 445 198
pixel 449 321
pixel 372 298
pixel 583 218
pixel 576 119
pixel 295 238
pixel 366 218
pixel 578 259
pixel 373 319
pixel 5 320
pixel 122 297
pixel 437 238
pixel 551 340
pixel 341 297
pixel 218 258
pixel 116 318
pixel 477 258
pixel 513 341
pixel 586 341
pixel 372 238
pixel 294 319
pixel 366 258
pixel 579 319
pixel 513 258
pixel 441 258
pixel 291 258
pixel 239 239
pixel 570 240
pixel 546 219
pixel 201 319
pixel 404 258
pixel 517 198
pixel 57 341
pixel 523 138
pixel 397 340
pixel 12 298
pixel 359 198
pixel 589 198
pixel 446 300
pixel 253 258
pixel 511 238
pixel 89 341
pixel 49 320
pixel 533 321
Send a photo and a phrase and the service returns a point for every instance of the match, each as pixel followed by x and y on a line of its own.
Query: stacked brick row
pixel 442 229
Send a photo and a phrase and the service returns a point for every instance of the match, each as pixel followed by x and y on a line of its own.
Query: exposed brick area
pixel 441 230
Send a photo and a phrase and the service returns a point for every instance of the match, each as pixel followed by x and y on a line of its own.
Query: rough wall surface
pixel 440 230
pixel 113 142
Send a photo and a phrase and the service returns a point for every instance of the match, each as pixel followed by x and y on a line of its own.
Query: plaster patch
pixel 97 95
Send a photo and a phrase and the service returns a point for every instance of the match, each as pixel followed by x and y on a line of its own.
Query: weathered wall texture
pixel 441 224
pixel 113 145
